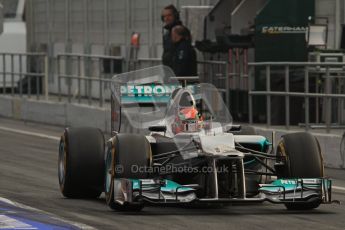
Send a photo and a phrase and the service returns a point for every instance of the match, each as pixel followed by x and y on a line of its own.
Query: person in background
pixel 183 55
pixel 170 18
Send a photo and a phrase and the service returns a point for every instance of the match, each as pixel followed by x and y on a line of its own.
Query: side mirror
pixel 158 128
pixel 234 128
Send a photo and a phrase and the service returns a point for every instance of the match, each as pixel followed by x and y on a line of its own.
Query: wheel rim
pixel 108 170
pixel 62 162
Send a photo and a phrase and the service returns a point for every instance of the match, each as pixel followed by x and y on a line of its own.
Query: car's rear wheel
pixel 123 152
pixel 303 159
pixel 81 163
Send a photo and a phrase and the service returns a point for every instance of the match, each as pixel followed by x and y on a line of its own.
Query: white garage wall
pixel 106 23
pixel 334 11
pixel 102 27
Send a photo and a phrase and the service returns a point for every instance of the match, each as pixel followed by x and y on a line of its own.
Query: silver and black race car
pixel 175 144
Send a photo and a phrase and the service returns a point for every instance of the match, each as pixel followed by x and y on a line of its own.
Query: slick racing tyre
pixel 81 163
pixel 125 151
pixel 303 160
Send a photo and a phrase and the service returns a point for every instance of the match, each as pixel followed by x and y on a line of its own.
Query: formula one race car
pixel 174 144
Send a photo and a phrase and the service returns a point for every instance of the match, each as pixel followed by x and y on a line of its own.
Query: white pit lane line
pixel 41 135
pixel 4 218
pixel 338 188
pixel 11 223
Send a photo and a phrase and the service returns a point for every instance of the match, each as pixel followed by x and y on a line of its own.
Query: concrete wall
pixel 54 113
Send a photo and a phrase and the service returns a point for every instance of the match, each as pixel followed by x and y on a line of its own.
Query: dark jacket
pixel 167 44
pixel 184 59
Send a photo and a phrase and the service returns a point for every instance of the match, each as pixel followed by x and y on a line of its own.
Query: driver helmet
pixel 189 113
pixel 187 118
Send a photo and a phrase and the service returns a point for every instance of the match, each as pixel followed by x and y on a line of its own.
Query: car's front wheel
pixel 303 157
pixel 125 154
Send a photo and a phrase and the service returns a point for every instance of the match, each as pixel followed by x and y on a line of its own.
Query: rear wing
pixel 141 97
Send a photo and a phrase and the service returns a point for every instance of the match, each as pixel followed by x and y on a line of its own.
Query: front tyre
pixel 303 159
pixel 124 151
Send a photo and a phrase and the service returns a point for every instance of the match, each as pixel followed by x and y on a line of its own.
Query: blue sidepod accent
pixel 264 143
pixel 249 162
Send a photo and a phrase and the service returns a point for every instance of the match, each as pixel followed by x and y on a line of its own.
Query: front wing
pixel 166 192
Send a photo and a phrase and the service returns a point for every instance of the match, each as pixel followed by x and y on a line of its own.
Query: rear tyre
pixel 81 163
pixel 123 152
pixel 303 157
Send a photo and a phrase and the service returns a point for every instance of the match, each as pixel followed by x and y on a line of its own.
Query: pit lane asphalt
pixel 28 174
